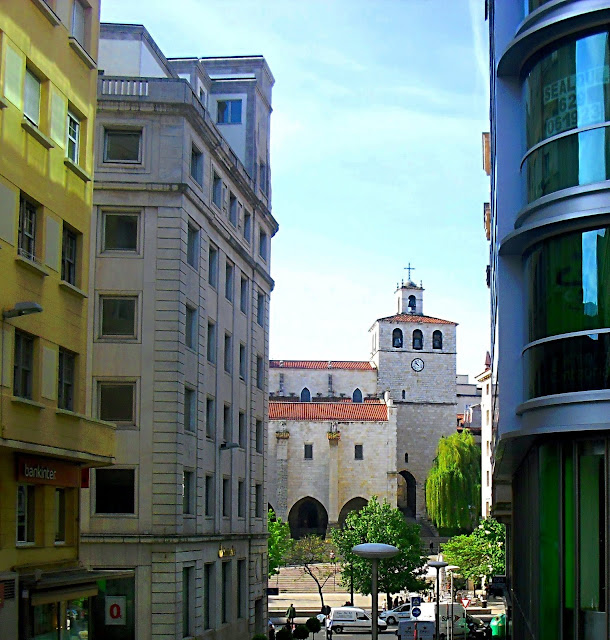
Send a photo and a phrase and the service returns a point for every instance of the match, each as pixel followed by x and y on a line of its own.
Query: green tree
pixel 278 543
pixel 379 522
pixel 314 625
pixel 480 554
pixel 312 554
pixel 453 486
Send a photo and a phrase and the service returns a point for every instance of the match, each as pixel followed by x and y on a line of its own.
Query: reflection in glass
pixel 531 5
pixel 568 280
pixel 581 363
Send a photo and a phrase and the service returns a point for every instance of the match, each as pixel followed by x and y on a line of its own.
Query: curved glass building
pixel 550 144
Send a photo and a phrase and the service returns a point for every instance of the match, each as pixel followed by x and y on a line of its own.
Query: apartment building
pixel 179 322
pixel 550 286
pixel 48 439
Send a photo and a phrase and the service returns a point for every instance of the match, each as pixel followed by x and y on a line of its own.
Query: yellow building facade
pixel 48 440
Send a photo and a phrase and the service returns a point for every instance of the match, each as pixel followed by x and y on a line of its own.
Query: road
pixel 321 635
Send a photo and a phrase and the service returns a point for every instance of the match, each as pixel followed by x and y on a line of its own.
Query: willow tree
pixel 453 486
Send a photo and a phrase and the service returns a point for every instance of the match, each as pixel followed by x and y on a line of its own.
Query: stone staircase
pixel 295 580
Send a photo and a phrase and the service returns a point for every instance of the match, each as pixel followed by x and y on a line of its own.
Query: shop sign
pixel 115 610
pixel 47 471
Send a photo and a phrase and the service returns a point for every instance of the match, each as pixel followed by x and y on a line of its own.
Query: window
pixel 308 452
pixel 242 430
pixel 437 340
pixel 188 600
pixel 259 436
pixel 357 395
pixel 65 380
pixel 118 315
pixel 120 232
pixel 242 585
pixel 211 345
pixel 228 353
pixel 227 431
pixel 191 335
pixel 117 402
pixel 192 247
pixel 209 496
pixel 60 514
pixel 406 457
pixel 68 256
pixel 242 361
pixel 241 499
pixel 247 227
pixel 418 339
pixel 305 395
pixel 24 365
pixel 226 498
pixel 31 98
pixel 190 409
pixel 358 452
pixel 260 372
pixel 263 177
pixel 225 592
pixel 114 491
pixel 216 189
pixel 243 296
pixel 213 266
pixel 330 384
pixel 210 417
pixel 122 146
pixel 26 513
pixel 258 501
pixel 78 22
pixel 260 308
pixel 229 270
pixel 197 165
pixel 412 304
pixel 397 339
pixel 233 210
pixel 229 112
pixel 26 241
pixel 188 492
pixel 208 594
pixel 281 384
pixel 72 137
pixel 404 394
pixel 263 239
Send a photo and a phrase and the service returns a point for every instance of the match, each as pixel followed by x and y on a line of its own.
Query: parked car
pixel 352 619
pixel 392 616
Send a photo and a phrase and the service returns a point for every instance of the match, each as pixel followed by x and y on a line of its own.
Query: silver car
pixel 393 616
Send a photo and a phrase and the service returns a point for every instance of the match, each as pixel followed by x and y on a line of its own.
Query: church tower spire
pixel 410 298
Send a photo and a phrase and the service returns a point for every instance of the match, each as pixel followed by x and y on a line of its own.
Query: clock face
pixel 417 364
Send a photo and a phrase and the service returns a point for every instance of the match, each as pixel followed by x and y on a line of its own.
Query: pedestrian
pixel 271 631
pixel 395 602
pixel 291 614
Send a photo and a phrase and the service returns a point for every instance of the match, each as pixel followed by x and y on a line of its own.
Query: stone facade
pixel 412 371
pixel 183 242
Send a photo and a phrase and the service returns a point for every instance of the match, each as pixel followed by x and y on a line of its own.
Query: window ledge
pixel 48 13
pixel 30 403
pixel 66 286
pixel 33 266
pixel 3 102
pixel 71 414
pixel 78 48
pixel 79 171
pixel 35 132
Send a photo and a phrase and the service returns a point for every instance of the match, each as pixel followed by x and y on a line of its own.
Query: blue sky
pixel 376 161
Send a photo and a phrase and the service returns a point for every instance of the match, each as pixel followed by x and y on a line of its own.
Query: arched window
pixel 404 394
pixel 437 340
pixel 397 339
pixel 406 457
pixel 305 395
pixel 412 304
pixel 357 395
pixel 418 339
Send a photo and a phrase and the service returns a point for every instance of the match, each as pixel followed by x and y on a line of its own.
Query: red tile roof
pixel 412 317
pixel 328 411
pixel 321 364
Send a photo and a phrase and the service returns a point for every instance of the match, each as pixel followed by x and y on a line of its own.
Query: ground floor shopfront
pixel 559 539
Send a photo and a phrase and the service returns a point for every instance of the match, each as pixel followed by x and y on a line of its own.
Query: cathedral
pixel 343 431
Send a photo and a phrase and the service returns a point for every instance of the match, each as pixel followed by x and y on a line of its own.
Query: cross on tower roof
pixel 409 269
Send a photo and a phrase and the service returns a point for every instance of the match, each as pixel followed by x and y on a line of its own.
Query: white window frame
pixel 31 97
pixel 73 138
pixel 28 514
pixel 78 27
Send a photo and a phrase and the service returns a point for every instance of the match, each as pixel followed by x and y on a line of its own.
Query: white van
pixel 351 619
pixel 427 612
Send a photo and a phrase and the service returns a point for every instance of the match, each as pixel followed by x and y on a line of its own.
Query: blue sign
pixel 416 612
pixel 415 601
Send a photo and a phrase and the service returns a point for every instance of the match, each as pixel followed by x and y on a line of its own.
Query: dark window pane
pixel 118 316
pixel 120 232
pixel 116 402
pixel 114 491
pixel 122 146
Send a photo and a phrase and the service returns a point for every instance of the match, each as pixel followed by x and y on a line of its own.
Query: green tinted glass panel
pixel 581 363
pixel 568 88
pixel 548 582
pixel 532 5
pixel 568 283
pixel 569 555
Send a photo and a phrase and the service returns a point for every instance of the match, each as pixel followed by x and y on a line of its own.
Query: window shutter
pixel 59 107
pixel 78 22
pixel 14 67
pixel 31 97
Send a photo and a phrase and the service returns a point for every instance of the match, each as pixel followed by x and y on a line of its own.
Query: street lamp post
pixel 374 552
pixel 451 568
pixel 438 565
